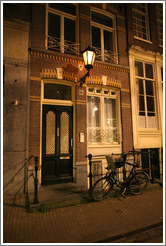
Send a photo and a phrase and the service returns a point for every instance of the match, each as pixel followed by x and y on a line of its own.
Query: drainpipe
pixel 27 108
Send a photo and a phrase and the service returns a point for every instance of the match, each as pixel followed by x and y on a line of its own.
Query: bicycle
pixel 135 183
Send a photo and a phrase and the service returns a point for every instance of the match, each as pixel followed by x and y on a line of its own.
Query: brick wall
pixel 84 25
pixel 38 26
pixel 81 126
pixel 43 59
pixel 17 10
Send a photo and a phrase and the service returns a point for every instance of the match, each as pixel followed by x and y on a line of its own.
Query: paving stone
pixel 82 223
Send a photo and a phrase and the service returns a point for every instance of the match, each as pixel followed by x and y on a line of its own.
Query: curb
pixel 130 233
pixel 34 208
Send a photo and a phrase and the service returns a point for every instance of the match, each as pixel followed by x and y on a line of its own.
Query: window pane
pixel 64 133
pixel 65 7
pixel 94 124
pixel 55 91
pixel 94 111
pixel 150 104
pixel 149 88
pixel 141 121
pixel 96 40
pixel 108 40
pixel 110 131
pixel 140 86
pixel 69 29
pixel 138 68
pixel 53 25
pixel 152 122
pixel 102 19
pixel 110 111
pixel 141 103
pixel 149 71
pixel 50 133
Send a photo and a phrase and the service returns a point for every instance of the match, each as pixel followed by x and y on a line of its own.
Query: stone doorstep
pixel 46 206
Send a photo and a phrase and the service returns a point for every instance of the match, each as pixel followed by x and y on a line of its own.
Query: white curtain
pixel 94 123
pixel 110 130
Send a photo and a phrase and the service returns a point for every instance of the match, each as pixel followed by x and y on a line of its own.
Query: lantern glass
pixel 89 57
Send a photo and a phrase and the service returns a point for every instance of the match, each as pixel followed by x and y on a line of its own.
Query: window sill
pixel 149 131
pixel 94 145
pixel 143 40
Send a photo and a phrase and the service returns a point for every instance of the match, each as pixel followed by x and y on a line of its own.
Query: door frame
pixel 57 103
pixel 63 167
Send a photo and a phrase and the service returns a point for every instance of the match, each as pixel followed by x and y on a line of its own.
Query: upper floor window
pixel 61 28
pixel 103 116
pixel 104 37
pixel 159 13
pixel 145 84
pixel 140 21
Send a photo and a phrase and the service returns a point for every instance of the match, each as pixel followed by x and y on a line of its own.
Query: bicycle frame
pixel 125 181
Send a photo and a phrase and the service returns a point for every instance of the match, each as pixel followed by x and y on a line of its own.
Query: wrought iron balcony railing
pixel 104 135
pixel 106 55
pixel 64 46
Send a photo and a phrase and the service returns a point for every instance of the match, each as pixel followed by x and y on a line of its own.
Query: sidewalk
pixel 83 223
pixel 67 194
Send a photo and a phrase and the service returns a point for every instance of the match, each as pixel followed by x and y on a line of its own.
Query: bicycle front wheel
pixel 138 183
pixel 101 189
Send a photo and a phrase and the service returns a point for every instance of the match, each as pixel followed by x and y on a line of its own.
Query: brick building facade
pixel 65 121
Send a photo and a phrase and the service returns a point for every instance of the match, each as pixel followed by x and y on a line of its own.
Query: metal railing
pixel 35 199
pixel 66 46
pixel 111 134
pixel 106 55
pixel 150 169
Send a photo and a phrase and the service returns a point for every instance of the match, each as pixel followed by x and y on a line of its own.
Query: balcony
pixel 106 55
pixel 62 46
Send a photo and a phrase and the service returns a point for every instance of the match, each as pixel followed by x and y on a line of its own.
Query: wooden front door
pixel 57 144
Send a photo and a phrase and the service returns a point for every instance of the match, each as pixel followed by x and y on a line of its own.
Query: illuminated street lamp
pixel 89 58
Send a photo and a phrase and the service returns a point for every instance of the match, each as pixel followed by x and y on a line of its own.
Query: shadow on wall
pixel 15 182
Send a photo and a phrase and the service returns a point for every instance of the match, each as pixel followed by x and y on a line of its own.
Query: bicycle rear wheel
pixel 101 189
pixel 138 183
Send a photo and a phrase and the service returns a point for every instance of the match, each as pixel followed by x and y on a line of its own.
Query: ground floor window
pixel 146 98
pixel 103 116
pixel 151 162
pixel 96 170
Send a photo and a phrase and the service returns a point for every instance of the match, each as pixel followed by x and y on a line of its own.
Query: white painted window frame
pixel 101 95
pixel 146 14
pixel 62 16
pixel 145 101
pixel 102 28
pixel 56 101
